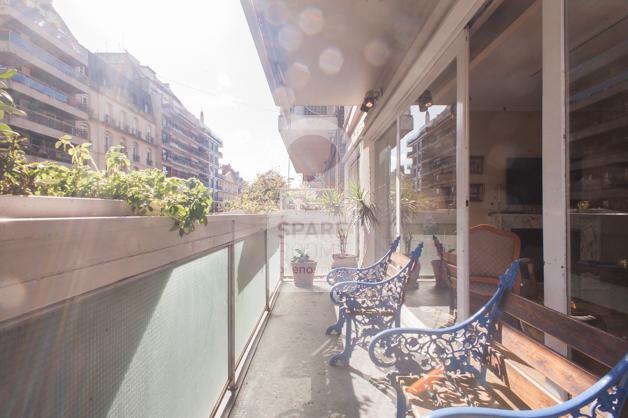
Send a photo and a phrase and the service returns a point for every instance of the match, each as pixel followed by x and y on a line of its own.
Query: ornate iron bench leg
pixel 337 327
pixel 401 401
pixel 398 319
pixel 345 355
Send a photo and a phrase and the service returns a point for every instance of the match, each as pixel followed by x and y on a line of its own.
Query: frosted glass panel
pixel 274 257
pixel 151 347
pixel 250 297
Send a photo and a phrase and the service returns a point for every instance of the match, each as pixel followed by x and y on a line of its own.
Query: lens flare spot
pixel 274 13
pixel 284 97
pixel 311 20
pixel 330 60
pixel 377 52
pixel 290 38
pixel 298 75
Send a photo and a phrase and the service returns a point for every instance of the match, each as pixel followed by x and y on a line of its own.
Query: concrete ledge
pixel 45 261
pixel 60 207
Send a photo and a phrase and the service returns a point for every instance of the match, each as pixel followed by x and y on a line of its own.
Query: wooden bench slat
pixel 526 388
pixel 570 377
pixel 594 342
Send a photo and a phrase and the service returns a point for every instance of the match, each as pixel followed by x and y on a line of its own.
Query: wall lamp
pixel 425 101
pixel 372 96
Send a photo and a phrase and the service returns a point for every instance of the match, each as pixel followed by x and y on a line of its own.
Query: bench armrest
pixel 375 272
pixel 416 350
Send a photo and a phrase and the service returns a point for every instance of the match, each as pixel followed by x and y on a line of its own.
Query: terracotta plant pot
pixel 303 273
pixel 344 260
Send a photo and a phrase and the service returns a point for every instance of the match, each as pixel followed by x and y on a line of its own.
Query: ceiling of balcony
pixel 321 52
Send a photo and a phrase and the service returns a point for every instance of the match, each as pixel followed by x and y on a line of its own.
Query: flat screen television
pixel 524 181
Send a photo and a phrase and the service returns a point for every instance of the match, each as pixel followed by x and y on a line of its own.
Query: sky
pixel 204 49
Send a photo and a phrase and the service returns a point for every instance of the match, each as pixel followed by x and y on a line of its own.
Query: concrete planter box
pixel 61 207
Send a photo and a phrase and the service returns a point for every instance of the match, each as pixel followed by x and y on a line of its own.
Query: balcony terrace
pixel 49 126
pixel 44 93
pixel 107 314
pixel 210 324
pixel 30 19
pixel 12 42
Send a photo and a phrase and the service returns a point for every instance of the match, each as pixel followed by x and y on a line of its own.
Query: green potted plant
pixel 349 210
pixel 303 268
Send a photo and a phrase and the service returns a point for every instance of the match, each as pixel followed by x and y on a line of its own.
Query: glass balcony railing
pixel 35 19
pixel 41 87
pixel 16 39
pixel 51 122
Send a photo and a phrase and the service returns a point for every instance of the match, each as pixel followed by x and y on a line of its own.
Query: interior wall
pixel 497 136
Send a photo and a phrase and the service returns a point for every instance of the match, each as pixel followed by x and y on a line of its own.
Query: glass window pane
pixel 598 162
pixel 428 175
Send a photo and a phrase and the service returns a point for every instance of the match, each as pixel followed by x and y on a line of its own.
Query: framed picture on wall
pixel 476 192
pixel 476 164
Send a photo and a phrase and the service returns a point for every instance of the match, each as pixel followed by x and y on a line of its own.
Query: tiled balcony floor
pixel 290 376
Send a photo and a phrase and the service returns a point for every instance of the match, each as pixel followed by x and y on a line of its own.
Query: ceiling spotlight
pixel 425 101
pixel 370 99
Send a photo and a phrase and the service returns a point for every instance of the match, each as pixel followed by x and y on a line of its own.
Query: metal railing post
pixel 231 312
pixel 267 262
pixel 282 250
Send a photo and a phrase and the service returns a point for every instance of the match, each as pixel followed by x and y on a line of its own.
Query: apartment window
pixel 136 152
pixel 123 145
pixel 134 125
pixel 107 141
pixel 149 157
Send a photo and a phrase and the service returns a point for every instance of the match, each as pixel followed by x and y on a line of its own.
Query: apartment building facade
pixel 189 149
pixel 108 99
pixel 230 184
pixel 51 85
pixel 123 110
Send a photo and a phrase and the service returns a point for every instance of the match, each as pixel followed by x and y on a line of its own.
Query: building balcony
pixel 30 17
pixel 48 126
pixel 34 55
pixel 49 95
pixel 45 150
pixel 216 311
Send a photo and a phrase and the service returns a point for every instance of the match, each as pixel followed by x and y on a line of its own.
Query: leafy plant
pixel 349 210
pixel 300 256
pixel 148 192
pixel 261 196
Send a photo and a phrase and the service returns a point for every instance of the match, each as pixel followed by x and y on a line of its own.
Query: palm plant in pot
pixel 303 268
pixel 349 211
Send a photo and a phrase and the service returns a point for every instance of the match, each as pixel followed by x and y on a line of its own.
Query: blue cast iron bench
pixel 387 266
pixel 494 364
pixel 368 307
pixel 371 273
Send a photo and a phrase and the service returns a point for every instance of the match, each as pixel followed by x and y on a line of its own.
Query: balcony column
pixel 462 174
pixel 367 169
